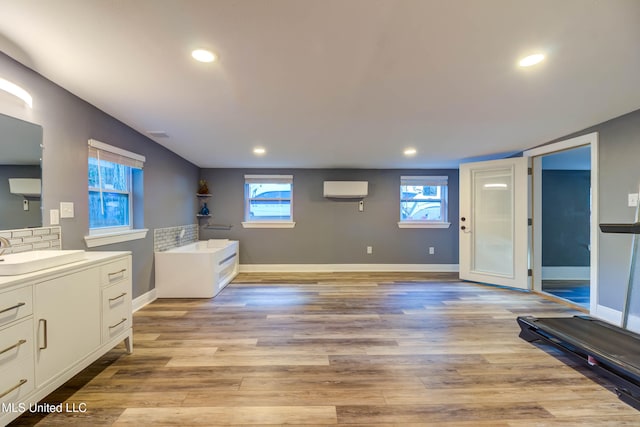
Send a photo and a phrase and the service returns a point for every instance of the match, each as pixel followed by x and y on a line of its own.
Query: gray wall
pixel 333 231
pixel 68 122
pixel 12 214
pixel 619 175
pixel 566 218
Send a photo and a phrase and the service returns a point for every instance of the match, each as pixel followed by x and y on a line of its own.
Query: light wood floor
pixel 324 349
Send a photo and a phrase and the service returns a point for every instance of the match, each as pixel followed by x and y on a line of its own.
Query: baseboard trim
pixel 143 300
pixel 608 315
pixel 331 268
pixel 566 273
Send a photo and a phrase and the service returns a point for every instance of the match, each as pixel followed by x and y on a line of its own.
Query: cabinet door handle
pixel 118 297
pixel 18 305
pixel 116 272
pixel 124 319
pixel 16 345
pixel 43 322
pixel 22 381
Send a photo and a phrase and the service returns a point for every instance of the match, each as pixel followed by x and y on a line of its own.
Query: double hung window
pixel 268 201
pixel 111 177
pixel 423 201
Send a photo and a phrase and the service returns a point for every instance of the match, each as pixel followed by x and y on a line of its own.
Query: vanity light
pixel 531 60
pixel 203 55
pixel 259 151
pixel 17 91
pixel 410 152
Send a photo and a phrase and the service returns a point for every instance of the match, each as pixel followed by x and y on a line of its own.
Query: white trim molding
pixel 111 238
pixel 423 224
pixel 330 268
pixel 144 299
pixel 608 315
pixel 590 139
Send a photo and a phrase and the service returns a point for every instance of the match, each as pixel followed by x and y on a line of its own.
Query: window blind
pixel 109 153
pixel 270 179
pixel 424 180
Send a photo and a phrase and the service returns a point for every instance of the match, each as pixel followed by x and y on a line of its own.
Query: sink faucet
pixel 4 244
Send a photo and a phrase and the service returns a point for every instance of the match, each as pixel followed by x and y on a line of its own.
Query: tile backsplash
pixel 168 238
pixel 30 239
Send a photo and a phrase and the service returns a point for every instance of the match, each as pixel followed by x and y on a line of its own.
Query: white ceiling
pixel 338 83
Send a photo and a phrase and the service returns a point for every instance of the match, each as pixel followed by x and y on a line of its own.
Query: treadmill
pixel 612 352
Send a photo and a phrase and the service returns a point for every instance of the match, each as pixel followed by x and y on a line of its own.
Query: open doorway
pixel 566 213
pixel 564 235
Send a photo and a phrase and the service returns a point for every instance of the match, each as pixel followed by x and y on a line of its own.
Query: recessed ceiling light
pixel 531 60
pixel 203 55
pixel 410 152
pixel 259 151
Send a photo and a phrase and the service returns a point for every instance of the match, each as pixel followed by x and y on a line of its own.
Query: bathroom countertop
pixel 90 258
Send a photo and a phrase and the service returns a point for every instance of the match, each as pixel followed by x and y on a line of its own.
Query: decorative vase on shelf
pixel 203 189
pixel 204 210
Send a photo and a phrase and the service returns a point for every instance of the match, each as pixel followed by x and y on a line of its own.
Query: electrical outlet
pixel 369 250
pixel 633 200
pixel 432 250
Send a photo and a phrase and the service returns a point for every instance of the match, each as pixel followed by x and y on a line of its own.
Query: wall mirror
pixel 20 161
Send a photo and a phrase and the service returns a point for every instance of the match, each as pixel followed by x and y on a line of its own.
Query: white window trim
pixel 423 224
pixel 96 240
pixel 111 235
pixel 274 223
pixel 440 180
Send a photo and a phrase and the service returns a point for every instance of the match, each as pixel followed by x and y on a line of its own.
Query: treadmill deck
pixel 611 351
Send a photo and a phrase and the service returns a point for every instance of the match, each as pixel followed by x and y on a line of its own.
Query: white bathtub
pixel 197 270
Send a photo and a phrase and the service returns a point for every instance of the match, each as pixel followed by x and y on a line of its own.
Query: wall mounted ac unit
pixel 27 187
pixel 346 189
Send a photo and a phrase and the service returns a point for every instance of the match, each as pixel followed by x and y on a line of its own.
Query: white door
pixel 493 222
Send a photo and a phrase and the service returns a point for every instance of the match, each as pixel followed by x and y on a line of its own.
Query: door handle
pixel 43 322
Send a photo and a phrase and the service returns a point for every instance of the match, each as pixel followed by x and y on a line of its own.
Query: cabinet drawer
pixel 16 361
pixel 115 271
pixel 15 304
pixel 116 310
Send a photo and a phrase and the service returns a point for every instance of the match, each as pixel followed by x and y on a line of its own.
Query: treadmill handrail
pixel 632 228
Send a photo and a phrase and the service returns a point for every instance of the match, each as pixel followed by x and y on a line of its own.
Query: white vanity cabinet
pixel 56 322
pixel 67 322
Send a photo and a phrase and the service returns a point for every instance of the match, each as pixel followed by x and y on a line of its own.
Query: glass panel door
pixel 494 222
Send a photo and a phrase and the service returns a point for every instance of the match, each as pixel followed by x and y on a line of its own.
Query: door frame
pixel 535 248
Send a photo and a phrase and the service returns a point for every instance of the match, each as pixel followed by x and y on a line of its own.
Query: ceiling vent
pixel 157 134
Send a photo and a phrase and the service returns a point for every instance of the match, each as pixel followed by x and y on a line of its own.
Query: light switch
pixel 54 217
pixel 633 200
pixel 66 210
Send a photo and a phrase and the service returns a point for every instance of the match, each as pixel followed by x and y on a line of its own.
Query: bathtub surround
pixel 31 239
pixel 169 237
pixel 333 234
